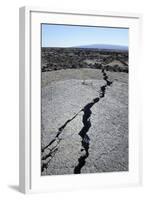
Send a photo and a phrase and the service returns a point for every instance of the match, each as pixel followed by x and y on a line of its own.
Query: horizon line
pixel 87 45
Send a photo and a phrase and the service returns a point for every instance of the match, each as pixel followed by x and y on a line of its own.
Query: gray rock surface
pixel 64 94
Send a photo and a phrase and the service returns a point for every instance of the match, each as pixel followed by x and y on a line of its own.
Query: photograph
pixel 84 99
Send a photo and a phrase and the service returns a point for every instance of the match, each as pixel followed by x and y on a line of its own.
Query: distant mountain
pixel 104 46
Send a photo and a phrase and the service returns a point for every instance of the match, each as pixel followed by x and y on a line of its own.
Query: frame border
pixel 25 86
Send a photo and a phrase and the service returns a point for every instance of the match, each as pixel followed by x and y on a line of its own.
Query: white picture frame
pixel 29 160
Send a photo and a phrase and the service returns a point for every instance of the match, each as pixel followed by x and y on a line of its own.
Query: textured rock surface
pixel 103 147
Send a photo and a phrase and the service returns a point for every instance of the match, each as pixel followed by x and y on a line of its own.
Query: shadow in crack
pixel 87 124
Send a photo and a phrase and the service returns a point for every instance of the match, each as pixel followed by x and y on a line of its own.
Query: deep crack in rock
pixel 83 133
pixel 87 124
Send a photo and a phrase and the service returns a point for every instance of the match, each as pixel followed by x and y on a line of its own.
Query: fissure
pixel 51 149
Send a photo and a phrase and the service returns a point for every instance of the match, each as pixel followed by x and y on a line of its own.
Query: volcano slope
pixel 84 121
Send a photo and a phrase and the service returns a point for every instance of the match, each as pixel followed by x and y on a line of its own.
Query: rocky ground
pixel 84 121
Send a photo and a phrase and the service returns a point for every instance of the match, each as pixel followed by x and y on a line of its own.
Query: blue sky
pixel 68 36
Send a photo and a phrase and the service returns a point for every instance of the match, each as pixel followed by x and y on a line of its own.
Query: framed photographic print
pixel 79 104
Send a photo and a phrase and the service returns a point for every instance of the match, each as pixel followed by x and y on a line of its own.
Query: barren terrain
pixel 84 124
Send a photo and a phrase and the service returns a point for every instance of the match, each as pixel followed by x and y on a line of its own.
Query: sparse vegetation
pixel 75 58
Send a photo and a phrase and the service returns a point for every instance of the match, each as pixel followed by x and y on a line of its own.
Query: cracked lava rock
pixel 84 124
